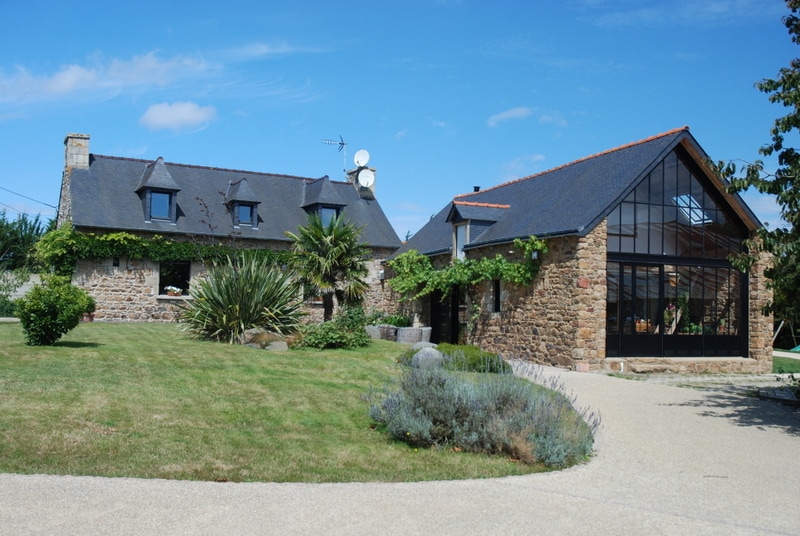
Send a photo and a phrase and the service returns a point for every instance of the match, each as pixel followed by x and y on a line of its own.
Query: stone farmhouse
pixel 636 276
pixel 105 194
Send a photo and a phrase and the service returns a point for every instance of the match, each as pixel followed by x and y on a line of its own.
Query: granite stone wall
pixel 129 291
pixel 560 318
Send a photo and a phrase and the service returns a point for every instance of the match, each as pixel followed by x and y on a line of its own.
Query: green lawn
pixel 142 400
pixel 785 365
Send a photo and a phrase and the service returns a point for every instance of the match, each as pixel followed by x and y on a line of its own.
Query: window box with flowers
pixel 173 291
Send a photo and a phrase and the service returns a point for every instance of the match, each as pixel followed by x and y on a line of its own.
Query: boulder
pixel 278 346
pixel 427 358
pixel 422 344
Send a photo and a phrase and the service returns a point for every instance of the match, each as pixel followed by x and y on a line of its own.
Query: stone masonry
pixel 560 318
pixel 129 292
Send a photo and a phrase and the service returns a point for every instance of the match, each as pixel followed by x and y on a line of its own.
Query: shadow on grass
pixel 744 410
pixel 78 344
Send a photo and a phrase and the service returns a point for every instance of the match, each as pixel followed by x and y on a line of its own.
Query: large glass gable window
pixel 671 214
pixel 671 291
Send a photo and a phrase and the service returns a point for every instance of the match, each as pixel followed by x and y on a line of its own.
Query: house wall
pixel 129 292
pixel 761 326
pixel 560 318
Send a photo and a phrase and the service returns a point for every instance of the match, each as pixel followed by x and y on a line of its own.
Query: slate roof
pixel 104 198
pixel 568 200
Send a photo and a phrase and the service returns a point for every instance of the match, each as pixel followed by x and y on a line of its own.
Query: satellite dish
pixel 366 177
pixel 361 158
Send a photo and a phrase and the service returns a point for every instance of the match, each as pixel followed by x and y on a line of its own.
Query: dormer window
pixel 160 205
pixel 460 236
pixel 244 214
pixel 159 193
pixel 242 204
pixel 326 214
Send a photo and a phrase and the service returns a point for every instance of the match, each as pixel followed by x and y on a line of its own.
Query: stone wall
pixel 129 291
pixel 560 318
pixel 761 326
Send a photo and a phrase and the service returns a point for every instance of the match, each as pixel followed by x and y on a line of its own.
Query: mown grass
pixel 143 400
pixel 785 365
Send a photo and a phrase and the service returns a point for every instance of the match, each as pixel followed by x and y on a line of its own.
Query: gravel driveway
pixel 670 460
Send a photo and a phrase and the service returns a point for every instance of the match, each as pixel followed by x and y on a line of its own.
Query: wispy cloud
pixel 514 113
pixel 523 166
pixel 177 116
pixel 97 78
pixel 553 118
pixel 255 51
pixel 693 12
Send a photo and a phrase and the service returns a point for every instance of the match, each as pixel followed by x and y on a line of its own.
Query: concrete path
pixel 670 460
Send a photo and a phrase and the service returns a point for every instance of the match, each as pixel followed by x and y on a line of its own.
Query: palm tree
pixel 331 260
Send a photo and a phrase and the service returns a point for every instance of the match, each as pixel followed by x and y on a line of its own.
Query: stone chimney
pixel 76 151
pixel 76 156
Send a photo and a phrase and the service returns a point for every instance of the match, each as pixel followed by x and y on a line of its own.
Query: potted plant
pixel 173 291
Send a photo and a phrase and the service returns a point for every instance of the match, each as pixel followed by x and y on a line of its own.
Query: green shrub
pixel 464 358
pixel 50 310
pixel 346 330
pixel 469 358
pixel 7 307
pixel 241 293
pixel 397 320
pixel 484 413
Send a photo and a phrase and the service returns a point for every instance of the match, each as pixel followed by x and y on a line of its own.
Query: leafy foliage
pixel 470 358
pixel 484 413
pixel 243 292
pixel 346 330
pixel 10 280
pixel 783 243
pixel 463 358
pixel 415 276
pixel 331 260
pixel 17 239
pixel 51 309
pixel 59 250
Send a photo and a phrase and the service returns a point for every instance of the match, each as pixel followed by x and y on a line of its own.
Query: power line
pixel 29 198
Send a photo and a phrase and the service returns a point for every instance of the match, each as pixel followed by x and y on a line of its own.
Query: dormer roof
pixel 157 176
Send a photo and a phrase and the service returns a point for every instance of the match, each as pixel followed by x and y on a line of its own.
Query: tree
pixel 331 260
pixel 784 183
pixel 17 239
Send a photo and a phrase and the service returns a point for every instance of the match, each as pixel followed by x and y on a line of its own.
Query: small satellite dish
pixel 361 158
pixel 366 177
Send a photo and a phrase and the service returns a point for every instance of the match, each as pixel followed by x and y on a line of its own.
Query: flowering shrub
pixel 484 413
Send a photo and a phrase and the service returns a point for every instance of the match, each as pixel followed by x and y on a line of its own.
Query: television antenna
pixel 342 147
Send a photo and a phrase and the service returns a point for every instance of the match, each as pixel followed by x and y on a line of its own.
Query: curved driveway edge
pixel 670 460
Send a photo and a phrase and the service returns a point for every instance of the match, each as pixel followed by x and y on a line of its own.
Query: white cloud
pixel 553 118
pixel 523 166
pixel 260 50
pixel 177 116
pixel 97 78
pixel 514 113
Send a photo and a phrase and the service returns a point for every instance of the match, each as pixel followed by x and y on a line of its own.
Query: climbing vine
pixel 415 275
pixel 59 250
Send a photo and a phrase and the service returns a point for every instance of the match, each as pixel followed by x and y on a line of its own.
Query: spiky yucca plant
pixel 243 293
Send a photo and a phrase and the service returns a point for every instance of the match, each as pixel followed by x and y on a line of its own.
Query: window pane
pixel 244 214
pixel 461 239
pixel 159 205
pixel 174 274
pixel 612 302
pixel 327 215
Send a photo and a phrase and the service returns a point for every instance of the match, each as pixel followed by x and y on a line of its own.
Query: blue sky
pixel 444 95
